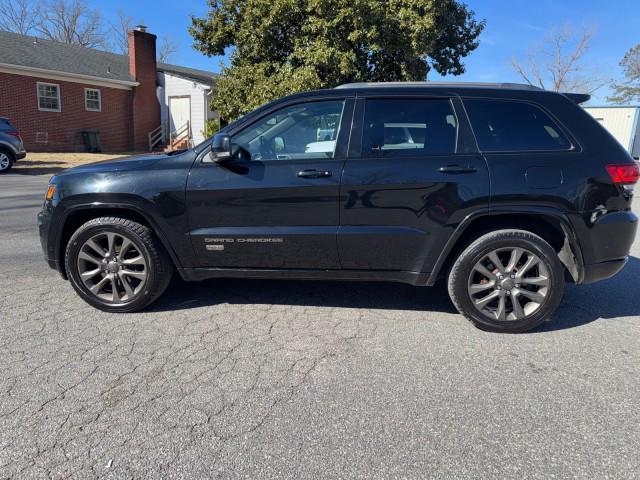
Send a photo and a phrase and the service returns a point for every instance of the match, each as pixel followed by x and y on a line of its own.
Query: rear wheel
pixel 117 265
pixel 6 161
pixel 507 281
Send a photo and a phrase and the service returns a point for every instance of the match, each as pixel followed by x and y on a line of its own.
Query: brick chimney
pixel 142 65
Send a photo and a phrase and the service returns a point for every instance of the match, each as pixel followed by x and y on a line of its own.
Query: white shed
pixel 184 95
pixel 623 123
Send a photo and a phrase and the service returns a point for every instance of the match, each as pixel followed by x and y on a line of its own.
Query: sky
pixel 513 28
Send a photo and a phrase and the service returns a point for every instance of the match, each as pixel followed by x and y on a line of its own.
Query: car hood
pixel 119 164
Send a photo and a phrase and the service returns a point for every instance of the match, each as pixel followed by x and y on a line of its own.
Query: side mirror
pixel 221 148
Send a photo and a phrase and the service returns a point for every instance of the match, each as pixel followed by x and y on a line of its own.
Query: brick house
pixel 53 92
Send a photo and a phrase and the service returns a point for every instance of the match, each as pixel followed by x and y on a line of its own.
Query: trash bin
pixel 91 140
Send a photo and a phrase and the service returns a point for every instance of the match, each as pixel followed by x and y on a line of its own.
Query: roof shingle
pixel 33 52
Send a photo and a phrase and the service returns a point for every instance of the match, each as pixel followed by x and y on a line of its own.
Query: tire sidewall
pixel 478 250
pixel 73 249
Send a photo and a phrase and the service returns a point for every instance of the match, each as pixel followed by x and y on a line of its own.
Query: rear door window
pixel 507 126
pixel 408 127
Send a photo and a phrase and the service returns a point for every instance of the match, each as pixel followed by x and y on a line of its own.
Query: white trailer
pixel 623 123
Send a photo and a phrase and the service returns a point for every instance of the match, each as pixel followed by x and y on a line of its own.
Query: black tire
pixel 7 160
pixel 463 272
pixel 158 267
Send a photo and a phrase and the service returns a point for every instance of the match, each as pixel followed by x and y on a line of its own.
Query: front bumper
pixel 48 247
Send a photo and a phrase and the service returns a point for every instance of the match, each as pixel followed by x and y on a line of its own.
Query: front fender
pixel 156 195
pixel 153 216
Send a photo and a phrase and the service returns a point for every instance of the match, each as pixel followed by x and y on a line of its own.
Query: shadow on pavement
pixel 393 296
pixel 26 170
pixel 609 299
pixel 582 304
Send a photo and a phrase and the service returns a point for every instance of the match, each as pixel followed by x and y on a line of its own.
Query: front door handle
pixel 314 173
pixel 456 169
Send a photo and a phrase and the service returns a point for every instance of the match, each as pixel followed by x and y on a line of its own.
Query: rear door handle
pixel 314 173
pixel 457 169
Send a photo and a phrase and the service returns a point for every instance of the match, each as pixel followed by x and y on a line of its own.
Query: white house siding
pixel 175 86
pixel 623 123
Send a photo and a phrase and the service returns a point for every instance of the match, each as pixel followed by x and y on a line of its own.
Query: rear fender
pixel 569 251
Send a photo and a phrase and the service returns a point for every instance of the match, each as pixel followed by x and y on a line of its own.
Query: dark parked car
pixel 503 191
pixel 11 146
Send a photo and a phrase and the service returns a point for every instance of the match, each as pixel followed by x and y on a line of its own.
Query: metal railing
pixel 155 137
pixel 180 135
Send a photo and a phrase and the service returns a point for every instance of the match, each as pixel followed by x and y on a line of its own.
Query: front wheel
pixel 117 265
pixel 507 281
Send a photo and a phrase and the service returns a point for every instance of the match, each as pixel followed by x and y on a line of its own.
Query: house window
pixel 48 97
pixel 92 100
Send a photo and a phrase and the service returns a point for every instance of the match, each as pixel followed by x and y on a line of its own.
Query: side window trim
pixel 356 150
pixel 574 145
pixel 466 142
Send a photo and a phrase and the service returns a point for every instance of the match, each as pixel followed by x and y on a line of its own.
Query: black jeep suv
pixel 504 191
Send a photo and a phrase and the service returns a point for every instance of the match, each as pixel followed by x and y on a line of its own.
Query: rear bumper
pixel 20 155
pixel 605 242
pixel 603 270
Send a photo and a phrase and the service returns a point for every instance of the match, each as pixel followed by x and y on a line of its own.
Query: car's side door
pixel 412 175
pixel 275 204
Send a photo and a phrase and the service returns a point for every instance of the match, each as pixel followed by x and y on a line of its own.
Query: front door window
pixel 302 131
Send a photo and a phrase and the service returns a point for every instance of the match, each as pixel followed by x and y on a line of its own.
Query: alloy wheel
pixel 5 162
pixel 508 284
pixel 112 267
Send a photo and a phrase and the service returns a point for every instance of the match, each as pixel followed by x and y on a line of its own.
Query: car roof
pixel 447 85
pixel 489 90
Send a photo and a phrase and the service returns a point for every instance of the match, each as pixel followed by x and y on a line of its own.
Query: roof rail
pixel 512 86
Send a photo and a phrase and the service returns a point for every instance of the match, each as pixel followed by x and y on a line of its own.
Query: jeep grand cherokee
pixel 504 191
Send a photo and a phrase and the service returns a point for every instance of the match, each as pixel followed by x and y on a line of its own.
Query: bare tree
pixel 120 30
pixel 19 16
pixel 72 22
pixel 558 62
pixel 629 90
pixel 168 47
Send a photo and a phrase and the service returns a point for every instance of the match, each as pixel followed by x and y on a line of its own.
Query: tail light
pixel 626 174
pixel 14 133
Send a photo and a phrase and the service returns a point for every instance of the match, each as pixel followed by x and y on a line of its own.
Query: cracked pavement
pixel 282 379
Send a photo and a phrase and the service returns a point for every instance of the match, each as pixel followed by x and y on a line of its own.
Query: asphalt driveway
pixel 275 379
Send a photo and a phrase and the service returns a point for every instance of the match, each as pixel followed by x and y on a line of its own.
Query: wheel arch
pixel 550 224
pixel 78 215
pixel 7 147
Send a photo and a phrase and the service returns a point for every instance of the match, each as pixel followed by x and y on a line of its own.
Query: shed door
pixel 179 112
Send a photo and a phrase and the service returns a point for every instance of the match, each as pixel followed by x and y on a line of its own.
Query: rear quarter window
pixel 510 125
